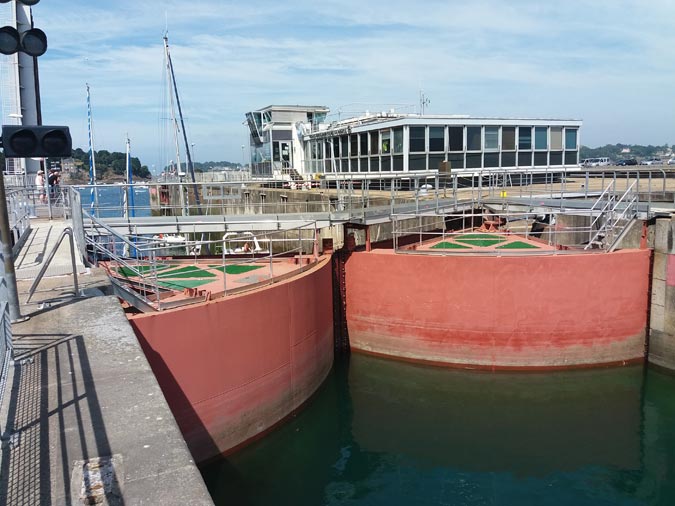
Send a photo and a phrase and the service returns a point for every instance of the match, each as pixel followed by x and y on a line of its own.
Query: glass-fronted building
pixel 390 143
pixel 276 137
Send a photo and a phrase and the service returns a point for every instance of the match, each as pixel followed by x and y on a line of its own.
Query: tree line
pixel 110 164
pixel 615 151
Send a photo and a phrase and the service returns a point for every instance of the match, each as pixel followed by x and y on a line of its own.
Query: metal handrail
pixel 66 232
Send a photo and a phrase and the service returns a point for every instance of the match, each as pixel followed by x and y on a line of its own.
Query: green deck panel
pixel 189 271
pixel 127 272
pixel 480 242
pixel 236 269
pixel 518 245
pixel 180 284
pixel 449 245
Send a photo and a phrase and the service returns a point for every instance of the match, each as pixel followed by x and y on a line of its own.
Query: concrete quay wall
pixel 662 308
pixel 231 369
pixel 553 311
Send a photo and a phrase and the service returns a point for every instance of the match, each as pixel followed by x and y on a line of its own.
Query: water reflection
pixel 383 432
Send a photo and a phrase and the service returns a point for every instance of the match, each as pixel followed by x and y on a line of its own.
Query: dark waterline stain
pixel 382 432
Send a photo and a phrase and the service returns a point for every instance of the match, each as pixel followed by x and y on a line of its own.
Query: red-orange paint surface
pixel 232 368
pixel 512 312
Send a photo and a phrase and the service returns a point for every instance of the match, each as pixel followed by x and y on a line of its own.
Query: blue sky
pixel 608 62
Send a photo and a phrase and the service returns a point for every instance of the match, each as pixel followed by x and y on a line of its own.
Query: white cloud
pixel 593 60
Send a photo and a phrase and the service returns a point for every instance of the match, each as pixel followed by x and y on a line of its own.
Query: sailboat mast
pixel 92 159
pixel 182 123
pixel 130 182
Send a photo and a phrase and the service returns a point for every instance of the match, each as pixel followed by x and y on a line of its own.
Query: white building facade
pixel 389 143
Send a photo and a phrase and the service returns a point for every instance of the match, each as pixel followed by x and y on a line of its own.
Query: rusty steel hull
pixel 510 312
pixel 233 368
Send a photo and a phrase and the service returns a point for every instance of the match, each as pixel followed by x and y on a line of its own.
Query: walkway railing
pixel 357 195
pixel 546 229
pixel 138 263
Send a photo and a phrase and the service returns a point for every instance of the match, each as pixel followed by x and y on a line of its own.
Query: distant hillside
pixel 209 166
pixel 619 151
pixel 109 165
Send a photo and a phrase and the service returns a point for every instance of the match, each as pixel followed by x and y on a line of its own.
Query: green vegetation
pixel 108 165
pixel 614 151
pixel 208 166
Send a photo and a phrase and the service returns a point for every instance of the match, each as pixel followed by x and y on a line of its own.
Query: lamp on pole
pixel 243 156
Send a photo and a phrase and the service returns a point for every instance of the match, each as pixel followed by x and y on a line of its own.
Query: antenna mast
pixel 424 101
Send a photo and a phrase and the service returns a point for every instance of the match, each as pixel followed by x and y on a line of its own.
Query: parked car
pixel 671 161
pixel 627 161
pixel 651 161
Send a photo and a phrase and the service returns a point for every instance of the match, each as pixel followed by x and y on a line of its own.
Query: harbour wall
pixel 233 368
pixel 662 309
pixel 553 311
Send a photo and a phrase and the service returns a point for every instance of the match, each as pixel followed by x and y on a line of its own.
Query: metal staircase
pixel 614 216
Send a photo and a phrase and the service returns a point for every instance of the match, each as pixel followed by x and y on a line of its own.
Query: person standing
pixel 53 181
pixel 40 184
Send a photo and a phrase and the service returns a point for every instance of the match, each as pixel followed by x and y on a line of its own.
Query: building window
pixel 353 145
pixel 354 165
pixel 336 147
pixel 363 164
pixel 456 161
pixel 436 138
pixel 509 138
pixel 374 164
pixel 398 160
pixel 540 138
pixel 417 162
pixel 473 160
pixel 386 164
pixel 374 142
pixel 491 160
pixel 417 139
pixel 491 139
pixel 570 138
pixel 571 158
pixel 524 158
pixel 524 138
pixel 363 138
pixel 456 139
pixel 398 140
pixel 541 159
pixel 508 159
pixel 556 139
pixel 385 137
pixel 472 140
pixel 435 161
pixel 344 148
pixel 556 158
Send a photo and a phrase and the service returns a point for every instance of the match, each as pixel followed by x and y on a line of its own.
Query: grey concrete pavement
pixel 84 420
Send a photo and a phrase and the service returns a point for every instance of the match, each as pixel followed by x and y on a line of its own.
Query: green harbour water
pixel 382 432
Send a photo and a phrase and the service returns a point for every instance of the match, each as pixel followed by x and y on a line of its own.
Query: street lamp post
pixel 243 157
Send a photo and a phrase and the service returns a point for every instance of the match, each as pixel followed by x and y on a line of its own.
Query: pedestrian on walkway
pixel 40 184
pixel 53 181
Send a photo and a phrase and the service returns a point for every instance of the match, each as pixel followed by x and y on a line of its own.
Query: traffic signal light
pixel 25 2
pixel 36 141
pixel 33 42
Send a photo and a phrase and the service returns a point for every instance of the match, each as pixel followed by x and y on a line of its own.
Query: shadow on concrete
pixel 199 441
pixel 40 256
pixel 40 429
